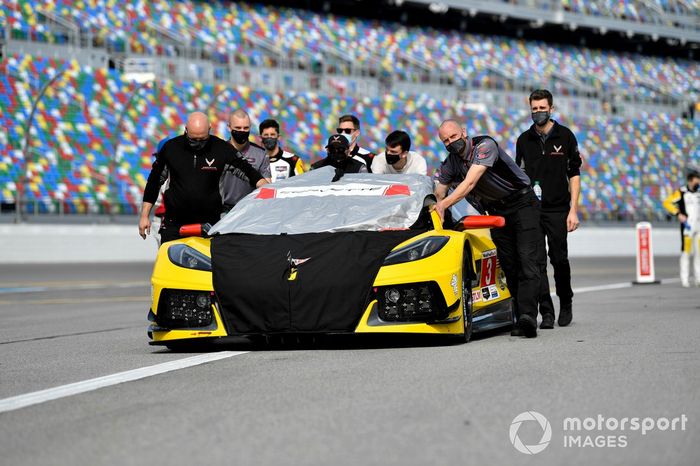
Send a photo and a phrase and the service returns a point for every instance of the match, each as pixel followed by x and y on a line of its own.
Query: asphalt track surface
pixel 632 351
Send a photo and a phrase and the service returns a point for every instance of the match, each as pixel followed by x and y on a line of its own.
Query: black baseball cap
pixel 337 141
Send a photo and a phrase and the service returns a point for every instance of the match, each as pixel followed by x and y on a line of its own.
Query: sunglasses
pixel 344 130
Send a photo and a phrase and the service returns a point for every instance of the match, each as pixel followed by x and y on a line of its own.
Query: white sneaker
pixel 685 284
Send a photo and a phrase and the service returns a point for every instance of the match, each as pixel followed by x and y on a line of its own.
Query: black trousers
pixel 554 229
pixel 169 231
pixel 520 246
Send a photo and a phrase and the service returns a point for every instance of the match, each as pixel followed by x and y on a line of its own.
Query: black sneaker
pixel 565 315
pixel 516 332
pixel 547 321
pixel 528 325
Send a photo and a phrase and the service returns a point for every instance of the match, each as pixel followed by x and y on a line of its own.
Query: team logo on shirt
pixel 557 150
pixel 210 164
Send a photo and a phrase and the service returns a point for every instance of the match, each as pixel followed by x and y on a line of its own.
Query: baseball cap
pixel 337 141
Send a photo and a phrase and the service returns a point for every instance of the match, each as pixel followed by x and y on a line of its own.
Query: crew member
pixel 481 167
pixel 283 164
pixel 398 157
pixel 195 161
pixel 685 204
pixel 338 156
pixel 548 152
pixel 349 125
pixel 234 183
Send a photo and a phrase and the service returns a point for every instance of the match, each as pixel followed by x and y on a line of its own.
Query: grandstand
pixel 126 75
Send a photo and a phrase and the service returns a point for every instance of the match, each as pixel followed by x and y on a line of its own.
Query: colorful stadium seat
pixel 80 161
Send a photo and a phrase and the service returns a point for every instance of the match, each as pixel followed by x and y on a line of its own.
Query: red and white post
pixel 645 255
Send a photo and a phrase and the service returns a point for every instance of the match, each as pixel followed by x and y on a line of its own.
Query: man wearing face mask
pixel 548 152
pixel 338 156
pixel 234 183
pixel 349 126
pixel 685 204
pixel 195 161
pixel 485 170
pixel 398 158
pixel 283 164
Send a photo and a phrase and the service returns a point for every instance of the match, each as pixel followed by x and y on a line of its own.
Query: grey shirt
pixel 502 178
pixel 234 185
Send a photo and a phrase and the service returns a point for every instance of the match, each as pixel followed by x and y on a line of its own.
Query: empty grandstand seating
pixel 221 27
pixel 76 142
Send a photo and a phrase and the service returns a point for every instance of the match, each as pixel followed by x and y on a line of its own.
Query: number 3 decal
pixel 488 269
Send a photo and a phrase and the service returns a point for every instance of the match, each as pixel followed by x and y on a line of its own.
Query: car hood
pixel 311 203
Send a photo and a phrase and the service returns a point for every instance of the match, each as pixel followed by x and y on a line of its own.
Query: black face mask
pixel 391 159
pixel 241 137
pixel 196 144
pixel 540 118
pixel 269 143
pixel 457 147
pixel 337 156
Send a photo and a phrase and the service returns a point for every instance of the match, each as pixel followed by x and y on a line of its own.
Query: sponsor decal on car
pixel 485 293
pixel 488 268
pixel 351 189
pixel 493 290
pixel 476 296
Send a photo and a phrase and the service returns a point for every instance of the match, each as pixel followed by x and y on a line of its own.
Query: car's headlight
pixel 417 250
pixel 189 258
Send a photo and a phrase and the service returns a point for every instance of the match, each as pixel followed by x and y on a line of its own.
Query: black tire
pixel 467 305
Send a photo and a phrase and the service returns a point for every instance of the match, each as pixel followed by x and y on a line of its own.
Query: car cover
pixel 311 203
pixel 300 255
pixel 312 282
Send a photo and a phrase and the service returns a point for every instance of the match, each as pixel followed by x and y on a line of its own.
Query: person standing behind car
pixel 349 126
pixel 548 152
pixel 283 164
pixel 685 204
pixel 195 162
pixel 484 169
pixel 338 157
pixel 398 158
pixel 234 182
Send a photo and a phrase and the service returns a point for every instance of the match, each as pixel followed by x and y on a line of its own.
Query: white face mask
pixel 348 137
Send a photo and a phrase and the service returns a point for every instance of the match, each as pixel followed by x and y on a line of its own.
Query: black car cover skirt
pixel 315 282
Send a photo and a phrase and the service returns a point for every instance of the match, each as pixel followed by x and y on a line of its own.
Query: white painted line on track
pixel 42 396
pixel 617 286
pixel 71 287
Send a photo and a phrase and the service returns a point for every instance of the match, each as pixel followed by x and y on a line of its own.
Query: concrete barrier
pixel 51 243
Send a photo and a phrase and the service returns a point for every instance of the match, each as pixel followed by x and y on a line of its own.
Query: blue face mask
pixel 348 137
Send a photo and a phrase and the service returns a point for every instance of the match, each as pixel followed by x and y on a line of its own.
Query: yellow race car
pixel 307 255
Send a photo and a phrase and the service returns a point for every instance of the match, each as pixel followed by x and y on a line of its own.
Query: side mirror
pixel 195 229
pixel 474 222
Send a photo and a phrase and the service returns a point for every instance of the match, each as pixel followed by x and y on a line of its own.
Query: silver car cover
pixel 311 203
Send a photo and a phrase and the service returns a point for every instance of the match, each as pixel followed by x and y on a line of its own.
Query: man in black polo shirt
pixel 548 152
pixel 195 162
pixel 488 172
